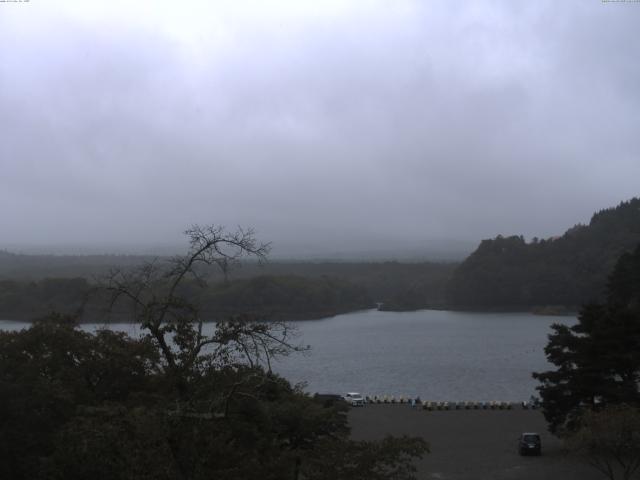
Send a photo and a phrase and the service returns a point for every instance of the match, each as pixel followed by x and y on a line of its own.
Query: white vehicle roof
pixel 354 394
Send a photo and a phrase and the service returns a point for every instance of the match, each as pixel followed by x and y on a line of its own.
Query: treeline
pixel 284 297
pixel 565 272
pixel 268 297
pixel 279 290
pixel 397 285
pixel 15 266
pixel 24 300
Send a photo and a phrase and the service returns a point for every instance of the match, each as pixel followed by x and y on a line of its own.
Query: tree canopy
pixel 597 359
pixel 609 441
pixel 178 402
pixel 567 271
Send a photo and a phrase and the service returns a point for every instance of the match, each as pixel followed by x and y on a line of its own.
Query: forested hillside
pixel 284 297
pixel 269 297
pixel 31 286
pixel 508 272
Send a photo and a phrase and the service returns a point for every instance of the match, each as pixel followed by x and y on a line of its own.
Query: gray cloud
pixel 327 126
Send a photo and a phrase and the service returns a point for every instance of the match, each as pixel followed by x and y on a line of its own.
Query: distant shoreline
pixel 313 316
pixel 547 310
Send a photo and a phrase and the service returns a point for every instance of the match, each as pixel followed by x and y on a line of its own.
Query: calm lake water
pixel 438 355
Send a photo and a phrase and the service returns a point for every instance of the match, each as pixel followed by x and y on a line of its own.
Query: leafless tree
pixel 609 441
pixel 155 293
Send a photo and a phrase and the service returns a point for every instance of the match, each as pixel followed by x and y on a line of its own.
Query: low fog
pixel 332 128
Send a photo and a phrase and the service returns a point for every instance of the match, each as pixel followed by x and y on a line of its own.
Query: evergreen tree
pixel 598 359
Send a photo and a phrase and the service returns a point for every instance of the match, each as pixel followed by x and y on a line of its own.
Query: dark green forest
pixel 556 273
pixel 278 290
pixel 284 297
pixel 268 297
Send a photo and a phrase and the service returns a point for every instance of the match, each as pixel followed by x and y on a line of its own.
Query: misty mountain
pixel 508 272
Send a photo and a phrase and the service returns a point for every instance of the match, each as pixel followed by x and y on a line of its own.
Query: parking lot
pixel 473 444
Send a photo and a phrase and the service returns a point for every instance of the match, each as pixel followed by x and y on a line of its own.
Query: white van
pixel 354 399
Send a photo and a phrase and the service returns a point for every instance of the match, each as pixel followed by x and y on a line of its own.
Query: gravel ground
pixel 472 444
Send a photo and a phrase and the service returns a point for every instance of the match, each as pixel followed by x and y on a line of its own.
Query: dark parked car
pixel 529 443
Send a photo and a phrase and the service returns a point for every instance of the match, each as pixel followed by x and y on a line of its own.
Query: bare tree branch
pixel 153 293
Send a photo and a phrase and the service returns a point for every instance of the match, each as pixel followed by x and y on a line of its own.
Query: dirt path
pixel 472 444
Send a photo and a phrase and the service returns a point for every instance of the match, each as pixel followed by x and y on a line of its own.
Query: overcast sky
pixel 326 125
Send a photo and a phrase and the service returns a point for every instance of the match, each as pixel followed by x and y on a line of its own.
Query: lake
pixel 438 355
